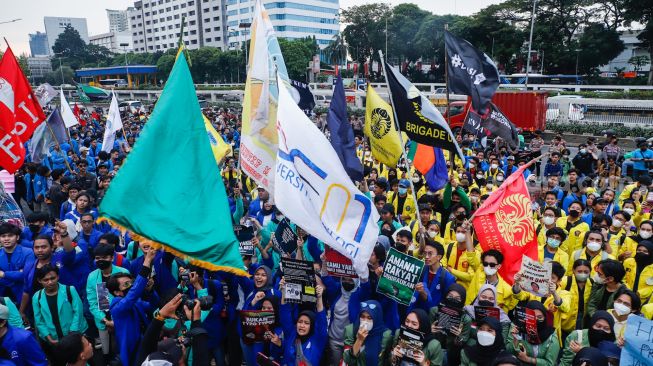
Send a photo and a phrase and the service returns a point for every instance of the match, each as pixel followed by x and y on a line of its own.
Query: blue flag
pixel 45 138
pixel 342 135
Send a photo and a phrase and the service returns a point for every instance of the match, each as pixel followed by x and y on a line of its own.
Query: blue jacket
pixel 23 348
pixel 27 237
pixel 130 318
pixel 38 187
pixel 13 269
pixel 71 314
pixel 313 347
pixel 95 278
pixel 73 270
pixel 255 207
pixel 162 266
pixel 93 151
pixel 66 207
pixel 434 290
pixel 88 242
pixel 58 159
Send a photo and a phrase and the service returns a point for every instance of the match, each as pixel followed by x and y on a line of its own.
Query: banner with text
pixel 255 323
pixel 300 280
pixel 401 273
pixel 638 348
pixel 338 265
pixel 535 277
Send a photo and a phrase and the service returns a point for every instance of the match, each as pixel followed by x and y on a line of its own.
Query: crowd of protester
pixel 77 291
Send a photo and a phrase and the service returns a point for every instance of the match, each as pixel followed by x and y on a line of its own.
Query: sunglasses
pixel 491 265
pixel 366 305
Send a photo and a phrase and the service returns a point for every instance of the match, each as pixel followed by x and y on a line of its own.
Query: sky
pixel 31 13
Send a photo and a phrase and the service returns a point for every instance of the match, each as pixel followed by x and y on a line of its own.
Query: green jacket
pixel 15 320
pixel 595 298
pixel 464 336
pixel 567 354
pixel 71 314
pixel 359 360
pixel 94 278
pixel 432 352
pixel 547 351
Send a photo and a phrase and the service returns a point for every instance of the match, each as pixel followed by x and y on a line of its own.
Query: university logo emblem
pixel 513 220
pixel 381 123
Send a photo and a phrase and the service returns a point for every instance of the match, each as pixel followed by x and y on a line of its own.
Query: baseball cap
pixel 511 157
pixel 404 183
pixel 424 207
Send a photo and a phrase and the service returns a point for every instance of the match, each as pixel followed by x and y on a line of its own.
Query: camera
pixel 206 302
pixel 184 276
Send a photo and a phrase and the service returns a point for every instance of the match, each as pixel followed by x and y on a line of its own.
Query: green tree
pixel 70 46
pixel 296 54
pixel 336 51
pixel 22 62
pixel 598 46
pixel 365 30
pixel 54 77
pixel 97 55
pixel 402 40
pixel 639 61
pixel 642 12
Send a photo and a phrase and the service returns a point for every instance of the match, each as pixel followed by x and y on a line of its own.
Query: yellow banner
pixel 219 147
pixel 381 129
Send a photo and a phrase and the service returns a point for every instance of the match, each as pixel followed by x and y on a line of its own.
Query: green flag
pixel 169 190
pixel 82 95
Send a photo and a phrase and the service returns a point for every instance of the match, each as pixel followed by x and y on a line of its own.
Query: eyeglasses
pixel 491 265
pixel 366 305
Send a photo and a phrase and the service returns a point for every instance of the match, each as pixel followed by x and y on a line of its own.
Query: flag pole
pixel 452 158
pixel 403 151
pixel 56 141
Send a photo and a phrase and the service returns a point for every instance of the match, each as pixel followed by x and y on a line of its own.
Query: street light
pixel 530 43
pixel 124 50
pixel 245 26
pixel 577 53
pixel 11 21
pixel 60 68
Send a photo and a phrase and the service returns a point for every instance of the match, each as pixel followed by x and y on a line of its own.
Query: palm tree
pixel 336 51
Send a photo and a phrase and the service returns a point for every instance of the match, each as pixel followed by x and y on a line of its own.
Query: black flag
pixel 470 72
pixel 302 96
pixel 498 124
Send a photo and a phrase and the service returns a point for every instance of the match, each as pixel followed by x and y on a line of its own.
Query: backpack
pixel 68 294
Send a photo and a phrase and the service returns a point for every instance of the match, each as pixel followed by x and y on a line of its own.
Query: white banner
pixel 313 190
pixel 113 125
pixel 69 119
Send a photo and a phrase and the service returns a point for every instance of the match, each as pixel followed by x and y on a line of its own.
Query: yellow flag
pixel 381 129
pixel 219 147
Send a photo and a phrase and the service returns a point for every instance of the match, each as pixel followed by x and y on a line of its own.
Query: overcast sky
pixel 32 12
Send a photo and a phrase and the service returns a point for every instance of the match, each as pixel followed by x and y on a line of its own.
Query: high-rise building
pixel 155 25
pixel 38 44
pixel 116 42
pixel 54 26
pixel 38 67
pixel 118 20
pixel 291 19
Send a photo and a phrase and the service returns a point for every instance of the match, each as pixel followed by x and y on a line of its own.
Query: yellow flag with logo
pixel 219 147
pixel 381 129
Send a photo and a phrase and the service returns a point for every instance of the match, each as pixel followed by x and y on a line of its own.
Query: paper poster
pixel 410 341
pixel 284 239
pixel 300 280
pixel 255 323
pixel 401 273
pixel 530 323
pixel 481 312
pixel 449 317
pixel 536 277
pixel 337 265
pixel 102 296
pixel 245 234
pixel 638 350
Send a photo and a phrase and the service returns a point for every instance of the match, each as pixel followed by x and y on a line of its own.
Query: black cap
pixel 425 207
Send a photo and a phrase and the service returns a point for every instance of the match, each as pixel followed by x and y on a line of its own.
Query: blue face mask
pixel 553 243
pixel 403 191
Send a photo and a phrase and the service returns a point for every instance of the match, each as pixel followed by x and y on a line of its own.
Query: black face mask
pixel 454 303
pixel 461 216
pixel 348 286
pixel 485 303
pixel 102 264
pixel 596 336
pixel 400 247
pixel 34 228
pixel 642 258
pixel 574 213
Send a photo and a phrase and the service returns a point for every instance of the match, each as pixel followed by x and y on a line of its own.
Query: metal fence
pixel 622 112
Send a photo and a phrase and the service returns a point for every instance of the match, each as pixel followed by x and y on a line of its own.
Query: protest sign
pixel 102 296
pixel 284 239
pixel 245 234
pixel 410 341
pixel 535 277
pixel 337 265
pixel 401 273
pixel 530 323
pixel 481 312
pixel 449 317
pixel 300 280
pixel 255 323
pixel 638 348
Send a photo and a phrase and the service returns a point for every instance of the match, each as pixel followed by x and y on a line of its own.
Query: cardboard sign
pixel 481 312
pixel 530 323
pixel 638 349
pixel 245 234
pixel 300 280
pixel 401 273
pixel 449 317
pixel 337 265
pixel 255 323
pixel 535 277
pixel 102 296
pixel 284 239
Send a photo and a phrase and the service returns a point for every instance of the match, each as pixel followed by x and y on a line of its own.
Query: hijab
pixel 311 316
pixel 642 260
pixel 544 330
pixel 503 317
pixel 589 356
pixel 373 342
pixel 596 336
pixel 268 284
pixel 424 325
pixel 484 355
pixel 459 289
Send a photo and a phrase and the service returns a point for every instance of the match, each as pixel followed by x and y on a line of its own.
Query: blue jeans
pixel 218 356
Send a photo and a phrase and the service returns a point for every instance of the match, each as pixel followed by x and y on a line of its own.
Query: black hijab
pixel 589 356
pixel 544 329
pixel 424 325
pixel 596 336
pixel 311 316
pixel 485 355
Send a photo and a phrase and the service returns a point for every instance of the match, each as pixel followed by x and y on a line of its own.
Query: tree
pixel 96 55
pixel 336 51
pixel 402 40
pixel 54 77
pixel 598 46
pixel 642 12
pixel 22 62
pixel 296 54
pixel 639 61
pixel 70 45
pixel 365 30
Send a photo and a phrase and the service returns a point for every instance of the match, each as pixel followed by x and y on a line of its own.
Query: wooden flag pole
pixel 452 158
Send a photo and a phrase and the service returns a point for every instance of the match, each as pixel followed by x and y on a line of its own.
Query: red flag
pixel 95 116
pixel 78 115
pixel 20 112
pixel 505 222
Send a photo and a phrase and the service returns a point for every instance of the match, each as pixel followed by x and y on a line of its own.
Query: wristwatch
pixel 158 316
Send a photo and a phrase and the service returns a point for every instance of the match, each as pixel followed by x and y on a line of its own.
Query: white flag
pixel 69 119
pixel 313 190
pixel 113 125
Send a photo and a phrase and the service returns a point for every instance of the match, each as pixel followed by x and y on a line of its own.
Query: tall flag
pixel 314 191
pixel 113 125
pixel 302 95
pixel 421 121
pixel 78 114
pixel 47 135
pixel 430 161
pixel 83 97
pixel 381 129
pixel 470 72
pixel 45 93
pixel 259 142
pixel 143 193
pixel 505 222
pixel 218 146
pixel 67 114
pixel 20 112
pixel 342 134
pixel 498 124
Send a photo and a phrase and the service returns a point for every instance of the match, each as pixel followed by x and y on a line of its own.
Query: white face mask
pixel 472 166
pixel 594 246
pixel 366 324
pixel 494 166
pixel 598 279
pixel 548 220
pixel 553 243
pixel 473 198
pixel 489 186
pixel 500 179
pixel 485 338
pixel 630 211
pixel 479 176
pixel 490 271
pixel 432 234
pixel 645 234
pixel 621 309
pixel 583 151
pixel 617 223
pixel 460 237
pixel 415 179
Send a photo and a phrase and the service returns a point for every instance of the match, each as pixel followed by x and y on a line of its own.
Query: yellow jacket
pixel 645 284
pixel 410 206
pixel 576 233
pixel 464 268
pixel 640 216
pixel 505 298
pixel 625 194
pixel 568 319
pixel 629 245
pixel 560 256
pixel 235 174
pixel 540 230
pixel 616 241
pixel 582 254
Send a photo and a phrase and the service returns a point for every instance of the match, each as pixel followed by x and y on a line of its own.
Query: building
pixel 633 48
pixel 291 19
pixel 54 26
pixel 156 24
pixel 115 42
pixel 134 75
pixel 38 44
pixel 118 20
pixel 38 67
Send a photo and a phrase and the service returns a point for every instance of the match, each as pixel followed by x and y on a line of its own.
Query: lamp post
pixel 124 50
pixel 245 26
pixel 11 21
pixel 530 43
pixel 577 53
pixel 60 67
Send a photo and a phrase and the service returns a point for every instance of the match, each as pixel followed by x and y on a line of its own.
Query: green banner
pixel 401 273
